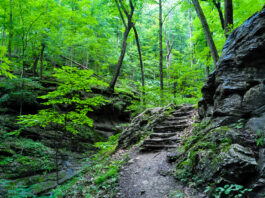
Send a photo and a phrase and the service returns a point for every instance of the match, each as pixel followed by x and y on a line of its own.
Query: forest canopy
pixel 155 49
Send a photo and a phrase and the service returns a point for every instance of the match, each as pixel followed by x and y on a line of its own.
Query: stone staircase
pixel 167 134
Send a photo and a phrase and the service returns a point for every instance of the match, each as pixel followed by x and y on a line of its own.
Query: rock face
pixel 227 147
pixel 236 89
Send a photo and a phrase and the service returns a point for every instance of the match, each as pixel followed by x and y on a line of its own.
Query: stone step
pixel 162 135
pixel 172 118
pixel 158 146
pixel 174 128
pixel 161 141
pixel 173 122
pixel 187 108
pixel 181 113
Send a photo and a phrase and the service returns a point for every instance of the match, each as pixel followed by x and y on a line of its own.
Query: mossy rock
pixel 220 155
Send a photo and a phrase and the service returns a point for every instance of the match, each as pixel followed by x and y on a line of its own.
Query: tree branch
pixel 122 17
pixel 124 9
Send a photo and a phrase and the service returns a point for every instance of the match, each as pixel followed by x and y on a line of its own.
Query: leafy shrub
pixel 229 191
pixel 73 89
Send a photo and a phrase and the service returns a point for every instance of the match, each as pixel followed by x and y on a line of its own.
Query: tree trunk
pixel 35 64
pixel 123 50
pixel 41 59
pixel 10 30
pixel 161 46
pixel 191 44
pixel 229 21
pixel 207 31
pixel 169 45
pixel 140 55
pixel 118 32
pixel 128 28
pixel 219 9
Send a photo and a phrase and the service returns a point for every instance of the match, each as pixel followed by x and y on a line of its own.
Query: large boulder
pixel 236 88
pixel 227 147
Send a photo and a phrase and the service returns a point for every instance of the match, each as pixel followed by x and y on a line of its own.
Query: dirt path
pixel 148 175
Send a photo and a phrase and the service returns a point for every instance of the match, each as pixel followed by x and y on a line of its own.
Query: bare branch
pixel 122 17
pixel 124 9
pixel 170 11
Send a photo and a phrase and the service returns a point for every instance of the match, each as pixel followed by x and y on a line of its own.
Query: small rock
pixel 145 182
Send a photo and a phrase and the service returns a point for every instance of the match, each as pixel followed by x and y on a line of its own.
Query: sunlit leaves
pixel 4 64
pixel 71 101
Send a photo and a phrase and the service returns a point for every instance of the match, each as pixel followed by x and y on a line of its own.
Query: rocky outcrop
pixel 236 88
pixel 220 155
pixel 30 159
pixel 158 127
pixel 227 147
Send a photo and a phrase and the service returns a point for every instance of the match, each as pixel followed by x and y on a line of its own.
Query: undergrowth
pixel 99 179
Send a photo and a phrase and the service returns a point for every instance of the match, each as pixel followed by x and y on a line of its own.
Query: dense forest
pixel 65 64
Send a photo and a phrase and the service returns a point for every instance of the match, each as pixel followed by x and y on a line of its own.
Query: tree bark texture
pixel 217 4
pixel 207 31
pixel 128 26
pixel 229 20
pixel 35 64
pixel 122 54
pixel 161 46
pixel 191 43
pixel 140 53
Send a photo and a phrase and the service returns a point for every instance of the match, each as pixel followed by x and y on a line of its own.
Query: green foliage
pixel 196 134
pixel 260 138
pixel 74 87
pixel 176 194
pixel 154 98
pixel 16 191
pixel 89 34
pixel 238 125
pixel 17 90
pixel 229 190
pixel 202 148
pixel 4 64
pixel 21 156
pixel 99 179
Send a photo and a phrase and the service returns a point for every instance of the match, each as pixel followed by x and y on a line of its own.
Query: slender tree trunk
pixel 169 46
pixel 35 64
pixel 161 46
pixel 123 50
pixel 191 44
pixel 140 57
pixel 10 30
pixel 128 28
pixel 219 9
pixel 41 59
pixel 118 32
pixel 207 31
pixel 229 21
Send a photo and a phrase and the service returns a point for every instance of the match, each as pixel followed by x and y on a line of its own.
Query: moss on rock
pixel 216 156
